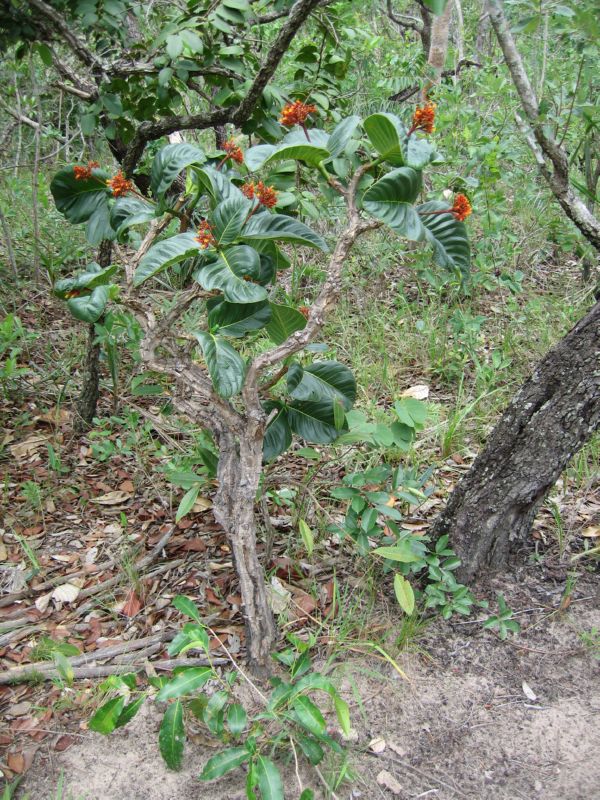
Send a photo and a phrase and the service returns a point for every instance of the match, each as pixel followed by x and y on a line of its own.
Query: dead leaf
pixel 3 551
pixel 420 391
pixel 63 742
pixel 387 780
pixel 66 593
pixel 202 504
pixel 19 709
pixel 29 447
pixel 132 605
pixel 528 691
pixel 42 602
pixel 278 595
pixel 55 416
pixel 592 532
pixel 114 498
pixel 127 486
pixel 377 745
pixel 20 762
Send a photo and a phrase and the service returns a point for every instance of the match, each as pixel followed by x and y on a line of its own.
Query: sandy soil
pixel 462 726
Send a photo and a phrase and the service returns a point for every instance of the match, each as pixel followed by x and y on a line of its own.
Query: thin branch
pixel 403 20
pixel 76 44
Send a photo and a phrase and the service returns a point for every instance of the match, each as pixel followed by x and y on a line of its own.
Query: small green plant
pixel 591 641
pixel 288 721
pixel 503 621
pixel 14 339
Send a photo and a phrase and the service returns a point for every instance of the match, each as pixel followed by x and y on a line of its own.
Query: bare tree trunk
pixel 87 402
pixel 425 32
pixel 551 418
pixel 438 49
pixel 483 29
pixel 240 467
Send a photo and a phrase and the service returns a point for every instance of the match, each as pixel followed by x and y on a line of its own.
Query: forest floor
pixel 90 556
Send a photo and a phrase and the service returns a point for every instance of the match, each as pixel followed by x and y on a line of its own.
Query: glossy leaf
pixel 285 320
pixel 187 502
pixel 129 712
pixel 228 219
pixel 106 717
pixel 419 153
pixel 294 146
pixel 79 199
pixel 391 200
pixel 171 736
pixel 165 254
pixel 128 211
pixel 218 186
pixel 89 307
pixel 228 272
pixel 311 748
pixel 386 133
pixel 269 779
pixel 236 718
pixel 322 380
pixel 235 319
pixel 309 715
pixel 313 421
pixel 168 163
pixel 404 594
pixel 401 552
pixel 278 436
pixel 341 135
pixel 187 607
pixel 224 762
pixel 94 276
pixel 226 366
pixel 447 236
pixel 185 682
pixel 98 226
pixel 282 229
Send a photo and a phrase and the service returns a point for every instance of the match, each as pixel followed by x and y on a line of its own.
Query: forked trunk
pixel 553 415
pixel 240 465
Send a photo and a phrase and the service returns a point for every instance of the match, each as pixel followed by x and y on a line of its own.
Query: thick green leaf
pixel 419 153
pixel 128 211
pixel 278 436
pixel 282 229
pixel 387 134
pixel 185 682
pixel 89 307
pixel 213 715
pixel 309 715
pixel 314 421
pixel 79 199
pixel 98 226
pixel 228 272
pixel 235 319
pixel 192 637
pixel 105 719
pixel 171 736
pixel 224 762
pixel 269 779
pixel 169 162
pixel 187 607
pixel 187 502
pixel 165 254
pixel 228 219
pixel 294 146
pixel 285 320
pixel 311 748
pixel 404 594
pixel 401 552
pixel 226 366
pixel 236 718
pixel 93 276
pixel 256 156
pixel 322 380
pixel 447 236
pixel 129 712
pixel 217 185
pixel 307 794
pixel 341 135
pixel 390 200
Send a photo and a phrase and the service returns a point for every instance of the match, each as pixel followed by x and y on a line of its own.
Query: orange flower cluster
pixel 423 119
pixel 461 207
pixel 304 310
pixel 233 151
pixel 296 113
pixel 266 195
pixel 205 236
pixel 119 184
pixel 83 173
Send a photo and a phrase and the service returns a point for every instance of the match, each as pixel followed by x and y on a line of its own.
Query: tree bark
pixel 240 468
pixel 87 402
pixel 551 418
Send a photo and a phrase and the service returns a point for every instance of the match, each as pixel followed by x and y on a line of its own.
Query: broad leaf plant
pixel 246 372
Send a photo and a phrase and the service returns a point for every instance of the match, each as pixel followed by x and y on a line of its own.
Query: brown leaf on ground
pixel 63 742
pixel 113 498
pixel 132 605
pixel 127 486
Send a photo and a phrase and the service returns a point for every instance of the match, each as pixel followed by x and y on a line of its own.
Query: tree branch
pixel 557 177
pixel 403 20
pixel 76 44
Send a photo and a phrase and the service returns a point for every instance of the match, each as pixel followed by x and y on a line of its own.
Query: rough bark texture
pixel 553 415
pixel 87 402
